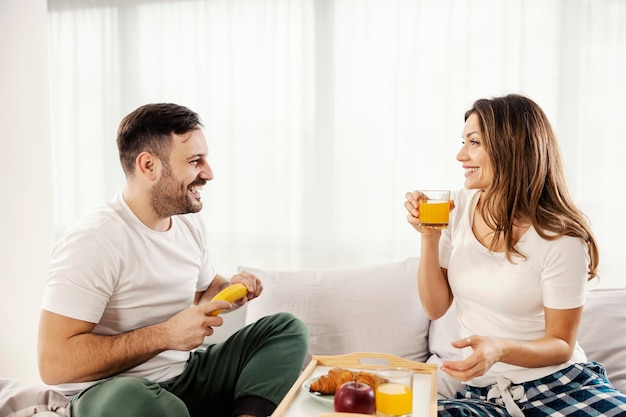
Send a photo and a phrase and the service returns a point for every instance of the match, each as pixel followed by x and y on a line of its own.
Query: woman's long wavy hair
pixel 529 182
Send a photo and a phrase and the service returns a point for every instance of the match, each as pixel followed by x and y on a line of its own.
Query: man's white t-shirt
pixel 497 298
pixel 112 270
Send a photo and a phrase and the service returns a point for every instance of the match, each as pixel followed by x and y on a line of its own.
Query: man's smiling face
pixel 182 176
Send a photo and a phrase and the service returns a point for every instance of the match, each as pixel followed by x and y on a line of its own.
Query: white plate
pixel 324 399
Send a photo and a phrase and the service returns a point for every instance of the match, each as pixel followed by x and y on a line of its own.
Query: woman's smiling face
pixel 474 157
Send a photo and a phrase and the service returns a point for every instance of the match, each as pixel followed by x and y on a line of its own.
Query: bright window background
pixel 320 115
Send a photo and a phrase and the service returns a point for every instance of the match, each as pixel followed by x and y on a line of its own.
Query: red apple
pixel 355 397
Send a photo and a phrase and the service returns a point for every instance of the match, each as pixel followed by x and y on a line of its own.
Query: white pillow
pixel 602 332
pixel 357 309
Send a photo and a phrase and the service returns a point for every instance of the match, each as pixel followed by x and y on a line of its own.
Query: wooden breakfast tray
pixel 425 377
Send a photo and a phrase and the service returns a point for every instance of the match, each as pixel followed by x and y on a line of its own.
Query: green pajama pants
pixel 247 374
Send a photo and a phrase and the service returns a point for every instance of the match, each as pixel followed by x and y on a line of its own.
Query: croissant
pixel 328 384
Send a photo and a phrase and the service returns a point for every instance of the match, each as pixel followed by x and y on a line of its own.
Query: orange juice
pixel 434 214
pixel 393 399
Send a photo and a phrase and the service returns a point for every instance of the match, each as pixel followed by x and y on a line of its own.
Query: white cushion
pixel 357 309
pixel 602 332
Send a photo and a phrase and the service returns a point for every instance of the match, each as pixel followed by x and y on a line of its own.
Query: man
pixel 129 291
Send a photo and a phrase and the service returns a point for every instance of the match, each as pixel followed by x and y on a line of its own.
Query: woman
pixel 515 259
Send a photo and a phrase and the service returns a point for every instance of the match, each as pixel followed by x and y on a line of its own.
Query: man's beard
pixel 169 198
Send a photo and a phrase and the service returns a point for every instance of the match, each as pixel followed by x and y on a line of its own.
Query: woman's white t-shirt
pixel 112 270
pixel 497 298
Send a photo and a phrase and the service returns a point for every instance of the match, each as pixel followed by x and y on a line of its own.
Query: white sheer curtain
pixel 320 114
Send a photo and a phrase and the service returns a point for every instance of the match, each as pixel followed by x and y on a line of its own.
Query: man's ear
pixel 148 165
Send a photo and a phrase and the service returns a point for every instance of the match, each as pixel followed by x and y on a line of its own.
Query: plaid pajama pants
pixel 579 390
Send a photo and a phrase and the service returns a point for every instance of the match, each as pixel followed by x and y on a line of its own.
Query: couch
pixel 367 309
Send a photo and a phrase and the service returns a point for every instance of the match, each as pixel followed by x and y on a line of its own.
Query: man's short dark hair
pixel 149 129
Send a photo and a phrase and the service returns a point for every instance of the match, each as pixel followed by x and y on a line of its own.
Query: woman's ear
pixel 148 165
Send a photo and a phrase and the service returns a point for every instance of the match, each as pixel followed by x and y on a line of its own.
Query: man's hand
pixel 252 283
pixel 187 329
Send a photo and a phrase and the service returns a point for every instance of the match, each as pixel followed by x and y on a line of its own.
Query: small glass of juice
pixel 394 392
pixel 434 209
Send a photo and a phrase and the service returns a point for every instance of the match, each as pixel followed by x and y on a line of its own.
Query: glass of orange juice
pixel 394 392
pixel 435 209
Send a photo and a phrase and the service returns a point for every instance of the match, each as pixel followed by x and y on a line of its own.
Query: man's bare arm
pixel 68 351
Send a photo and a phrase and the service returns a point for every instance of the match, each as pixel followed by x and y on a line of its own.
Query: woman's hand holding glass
pixel 412 205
